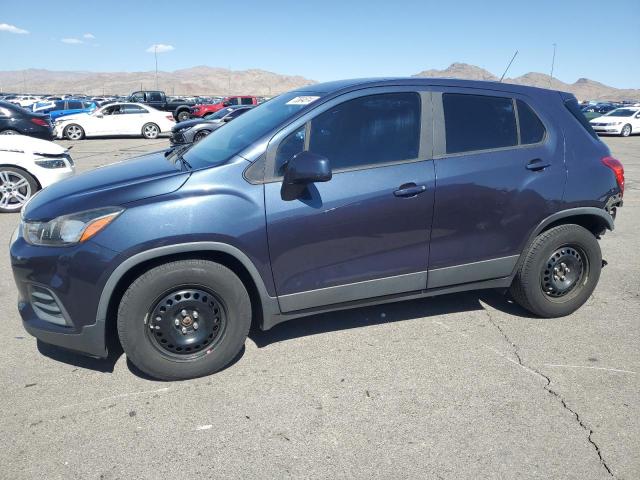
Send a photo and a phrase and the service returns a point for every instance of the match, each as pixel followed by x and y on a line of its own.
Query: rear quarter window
pixel 574 109
pixel 531 128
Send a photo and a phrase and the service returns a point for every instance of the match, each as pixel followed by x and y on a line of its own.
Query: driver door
pixel 365 232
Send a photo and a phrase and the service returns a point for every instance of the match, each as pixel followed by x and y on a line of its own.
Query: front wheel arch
pixel 119 282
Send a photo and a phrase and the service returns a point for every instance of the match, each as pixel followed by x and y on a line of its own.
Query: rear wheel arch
pixel 131 269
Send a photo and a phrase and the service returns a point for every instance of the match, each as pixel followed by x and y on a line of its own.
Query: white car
pixel 115 119
pixel 621 121
pixel 25 100
pixel 27 165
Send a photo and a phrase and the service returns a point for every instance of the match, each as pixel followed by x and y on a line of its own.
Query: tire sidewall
pixel 66 132
pixel 626 130
pixel 557 307
pixel 143 293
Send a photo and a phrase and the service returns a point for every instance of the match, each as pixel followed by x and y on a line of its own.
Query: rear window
pixel 574 108
pixel 531 128
pixel 478 122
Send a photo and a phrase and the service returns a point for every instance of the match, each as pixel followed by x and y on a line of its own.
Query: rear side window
pixel 154 97
pixel 478 122
pixel 531 128
pixel 369 130
pixel 574 108
pixel 247 101
pixel 75 105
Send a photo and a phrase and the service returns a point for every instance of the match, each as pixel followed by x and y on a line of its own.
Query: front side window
pixel 531 128
pixel 247 101
pixel 478 122
pixel 289 147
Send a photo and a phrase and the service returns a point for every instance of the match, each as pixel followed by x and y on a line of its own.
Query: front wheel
pixel 200 135
pixel 9 131
pixel 150 131
pixel 73 132
pixel 626 131
pixel 184 319
pixel 559 271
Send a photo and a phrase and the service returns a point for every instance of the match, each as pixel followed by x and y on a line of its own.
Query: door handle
pixel 410 190
pixel 538 164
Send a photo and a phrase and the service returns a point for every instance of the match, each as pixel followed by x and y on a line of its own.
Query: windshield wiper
pixel 177 153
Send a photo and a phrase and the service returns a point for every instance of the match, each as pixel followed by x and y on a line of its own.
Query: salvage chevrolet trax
pixel 333 196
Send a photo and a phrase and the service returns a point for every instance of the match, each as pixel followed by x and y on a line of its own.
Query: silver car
pixel 191 131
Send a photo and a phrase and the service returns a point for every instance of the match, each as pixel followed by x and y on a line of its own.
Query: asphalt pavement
pixel 465 386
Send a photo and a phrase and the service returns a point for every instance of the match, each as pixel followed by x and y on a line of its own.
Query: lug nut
pixel 555 277
pixel 177 322
pixel 157 327
pixel 183 313
pixel 567 270
pixel 194 314
pixel 158 319
pixel 184 330
pixel 195 325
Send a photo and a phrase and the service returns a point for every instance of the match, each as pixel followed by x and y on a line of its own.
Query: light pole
pixel 155 53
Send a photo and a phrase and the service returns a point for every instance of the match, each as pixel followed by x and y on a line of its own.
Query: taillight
pixel 170 117
pixel 39 121
pixel 615 165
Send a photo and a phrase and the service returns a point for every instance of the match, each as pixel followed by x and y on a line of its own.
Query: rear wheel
pixel 184 319
pixel 150 131
pixel 183 115
pixel 626 131
pixel 73 132
pixel 9 131
pixel 559 271
pixel 16 188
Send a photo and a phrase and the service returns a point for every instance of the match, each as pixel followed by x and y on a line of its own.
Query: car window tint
pixel 290 146
pixel 478 122
pixel 75 105
pixel 368 130
pixel 531 128
pixel 134 109
pixel 154 97
pixel 233 101
pixel 247 101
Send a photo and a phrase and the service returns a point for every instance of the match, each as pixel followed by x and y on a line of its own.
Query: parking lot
pixel 461 386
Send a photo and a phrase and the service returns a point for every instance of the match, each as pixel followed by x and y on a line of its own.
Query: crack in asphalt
pixel 547 387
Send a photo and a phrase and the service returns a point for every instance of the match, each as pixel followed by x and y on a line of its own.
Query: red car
pixel 202 110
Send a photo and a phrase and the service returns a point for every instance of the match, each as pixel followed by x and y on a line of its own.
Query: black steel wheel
pixel 184 319
pixel 558 272
pixel 187 322
pixel 564 271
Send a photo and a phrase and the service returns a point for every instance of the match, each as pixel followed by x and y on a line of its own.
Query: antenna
pixel 505 71
pixel 553 62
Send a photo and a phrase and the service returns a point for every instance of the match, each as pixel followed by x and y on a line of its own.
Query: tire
pixel 551 293
pixel 165 343
pixel 16 188
pixel 200 135
pixel 626 130
pixel 183 115
pixel 10 131
pixel 150 131
pixel 73 131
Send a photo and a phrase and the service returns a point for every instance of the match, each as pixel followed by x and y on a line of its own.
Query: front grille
pixel 46 306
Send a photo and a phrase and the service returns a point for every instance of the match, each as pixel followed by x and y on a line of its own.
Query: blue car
pixel 60 108
pixel 333 196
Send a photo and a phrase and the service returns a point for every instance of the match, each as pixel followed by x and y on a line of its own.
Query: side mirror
pixel 227 119
pixel 302 169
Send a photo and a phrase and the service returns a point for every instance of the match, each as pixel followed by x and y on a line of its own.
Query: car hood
pixel 113 185
pixel 23 143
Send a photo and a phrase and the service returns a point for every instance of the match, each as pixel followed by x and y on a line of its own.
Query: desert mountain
pixel 583 89
pixel 197 80
pixel 204 80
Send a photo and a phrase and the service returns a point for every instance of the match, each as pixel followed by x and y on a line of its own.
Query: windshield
pixel 622 112
pixel 222 144
pixel 219 114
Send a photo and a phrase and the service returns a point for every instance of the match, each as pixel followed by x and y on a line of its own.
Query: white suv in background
pixel 621 121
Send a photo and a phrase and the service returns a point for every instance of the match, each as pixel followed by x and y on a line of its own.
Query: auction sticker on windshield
pixel 306 100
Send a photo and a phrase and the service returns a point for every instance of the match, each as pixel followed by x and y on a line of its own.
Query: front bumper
pixel 59 291
pixel 607 128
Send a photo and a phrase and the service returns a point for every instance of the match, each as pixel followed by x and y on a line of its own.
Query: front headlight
pixel 69 229
pixel 51 163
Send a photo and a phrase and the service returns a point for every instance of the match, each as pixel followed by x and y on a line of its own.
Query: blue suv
pixel 62 108
pixel 329 197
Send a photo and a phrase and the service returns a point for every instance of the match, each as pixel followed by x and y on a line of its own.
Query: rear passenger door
pixel 500 171
pixel 364 233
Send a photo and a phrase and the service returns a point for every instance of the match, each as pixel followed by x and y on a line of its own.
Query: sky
pixel 327 40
